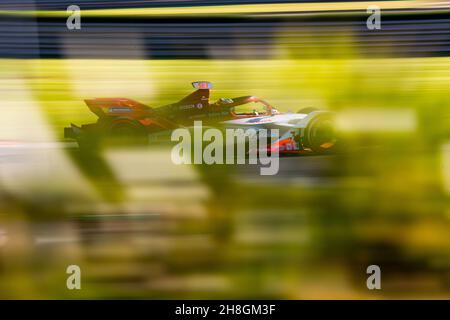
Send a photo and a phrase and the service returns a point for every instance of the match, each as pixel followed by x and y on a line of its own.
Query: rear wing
pixel 115 106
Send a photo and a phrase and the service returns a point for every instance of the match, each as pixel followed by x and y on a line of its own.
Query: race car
pixel 122 120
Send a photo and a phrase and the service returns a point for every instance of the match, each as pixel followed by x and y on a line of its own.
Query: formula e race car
pixel 122 120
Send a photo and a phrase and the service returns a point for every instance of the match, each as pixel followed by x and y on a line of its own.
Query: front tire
pixel 307 110
pixel 320 135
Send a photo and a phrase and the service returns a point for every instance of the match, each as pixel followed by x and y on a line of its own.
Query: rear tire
pixel 123 132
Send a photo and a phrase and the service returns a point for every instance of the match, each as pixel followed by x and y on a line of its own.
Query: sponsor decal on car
pixel 119 109
pixel 259 120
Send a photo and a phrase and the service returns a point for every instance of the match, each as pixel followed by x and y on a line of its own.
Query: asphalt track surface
pixel 290 167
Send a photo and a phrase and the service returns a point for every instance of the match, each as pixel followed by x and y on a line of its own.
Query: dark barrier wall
pixel 226 38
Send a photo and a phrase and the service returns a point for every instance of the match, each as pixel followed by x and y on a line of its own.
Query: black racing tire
pixel 320 135
pixel 307 110
pixel 122 132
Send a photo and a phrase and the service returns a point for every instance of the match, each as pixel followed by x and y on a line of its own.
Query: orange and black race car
pixel 125 120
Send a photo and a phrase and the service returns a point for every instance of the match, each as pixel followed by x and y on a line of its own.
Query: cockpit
pixel 247 106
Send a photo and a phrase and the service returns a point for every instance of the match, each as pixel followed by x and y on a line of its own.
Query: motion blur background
pixel 140 227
